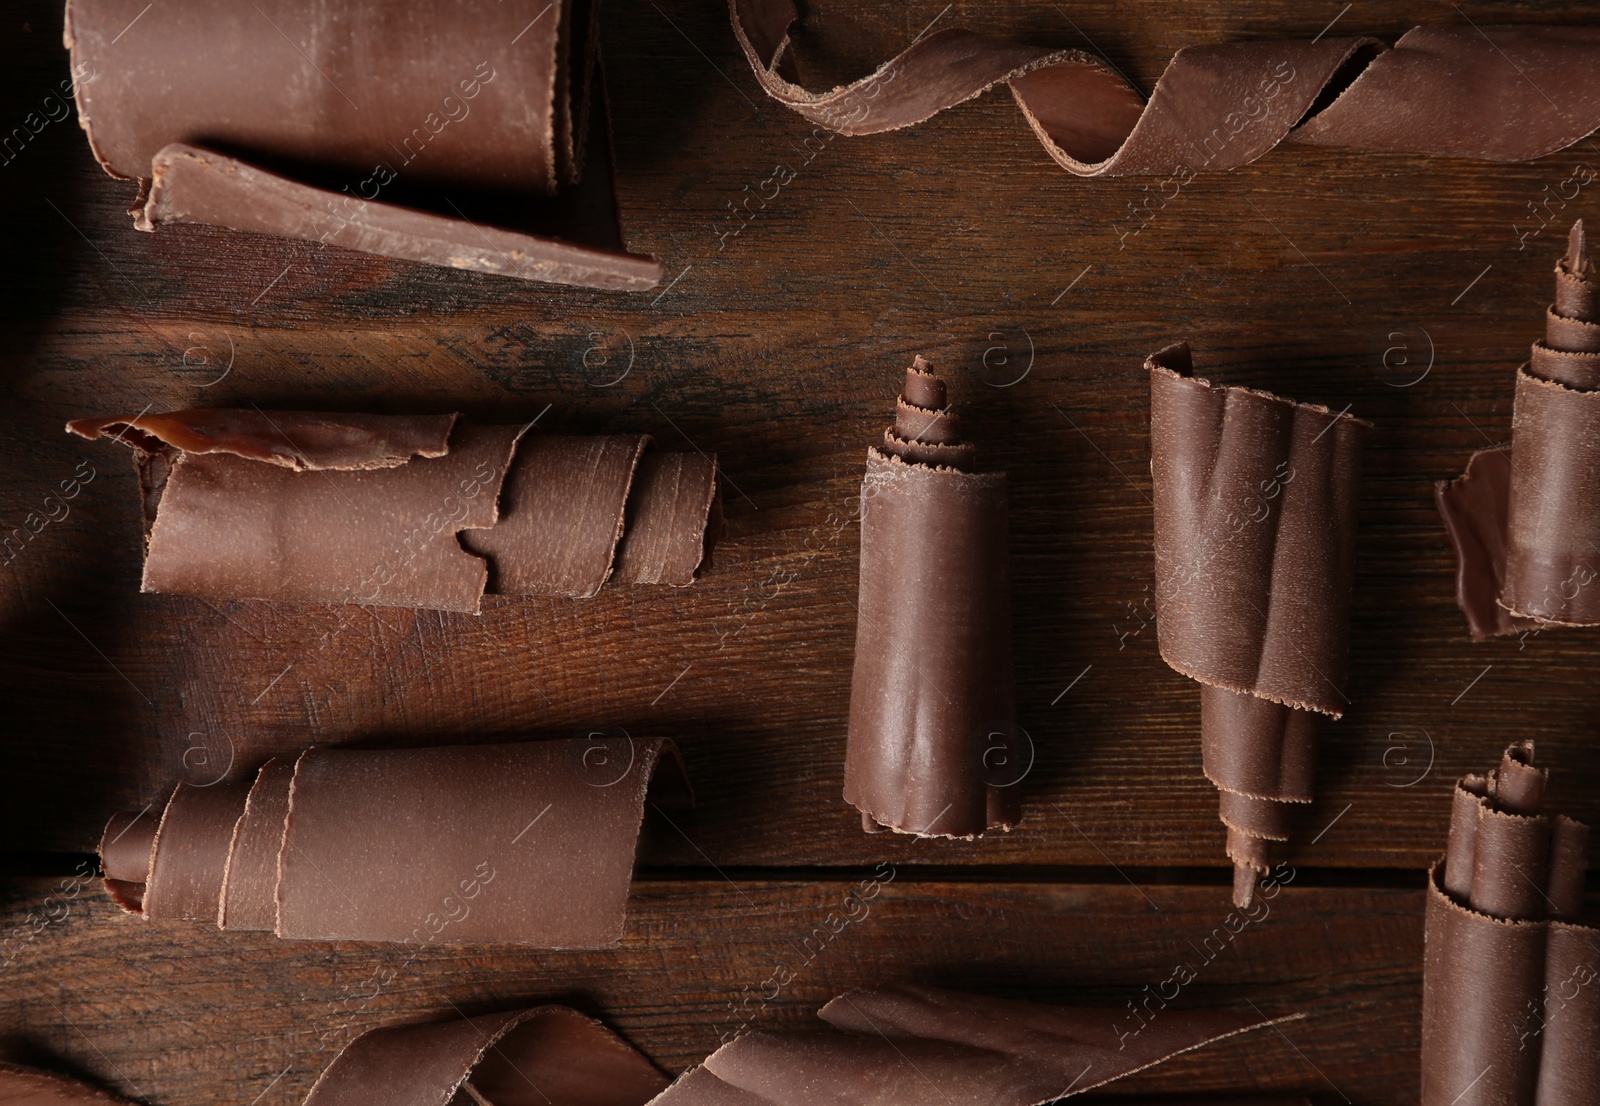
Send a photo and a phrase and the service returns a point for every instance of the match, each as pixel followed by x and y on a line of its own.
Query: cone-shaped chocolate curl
pixel 1511 976
pixel 1255 520
pixel 1459 91
pixel 405 130
pixel 934 749
pixel 409 511
pixel 1525 517
pixel 529 843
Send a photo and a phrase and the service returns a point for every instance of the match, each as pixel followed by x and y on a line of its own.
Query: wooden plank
pixel 191 1015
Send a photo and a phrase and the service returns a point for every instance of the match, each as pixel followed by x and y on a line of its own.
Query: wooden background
pixel 1405 286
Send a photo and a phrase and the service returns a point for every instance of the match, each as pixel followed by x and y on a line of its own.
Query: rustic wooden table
pixel 1405 286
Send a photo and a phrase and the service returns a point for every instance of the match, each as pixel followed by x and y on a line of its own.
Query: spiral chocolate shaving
pixel 1524 518
pixel 23 1086
pixel 933 745
pixel 1255 519
pixel 1506 93
pixel 1511 979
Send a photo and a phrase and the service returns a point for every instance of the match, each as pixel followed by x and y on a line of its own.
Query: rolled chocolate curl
pixel 1255 522
pixel 933 742
pixel 1511 976
pixel 1524 519
pixel 23 1086
pixel 528 843
pixel 412 511
pixel 1456 91
pixel 287 119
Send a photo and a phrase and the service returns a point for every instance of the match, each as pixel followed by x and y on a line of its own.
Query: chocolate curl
pixel 549 1055
pixel 1453 91
pixel 905 1045
pixel 20 1086
pixel 413 511
pixel 933 743
pixel 1523 518
pixel 1511 978
pixel 528 844
pixel 282 119
pixel 1255 518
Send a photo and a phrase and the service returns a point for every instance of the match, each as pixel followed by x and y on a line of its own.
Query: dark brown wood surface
pixel 1407 287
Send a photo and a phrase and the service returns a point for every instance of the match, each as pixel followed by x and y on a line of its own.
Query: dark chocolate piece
pixel 519 843
pixel 282 119
pixel 1525 518
pixel 421 511
pixel 1456 91
pixel 933 747
pixel 20 1086
pixel 1255 521
pixel 1511 977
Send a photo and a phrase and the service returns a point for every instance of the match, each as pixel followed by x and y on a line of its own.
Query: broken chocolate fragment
pixel 1456 91
pixel 933 738
pixel 1255 522
pixel 411 511
pixel 518 843
pixel 1524 518
pixel 351 124
pixel 1511 976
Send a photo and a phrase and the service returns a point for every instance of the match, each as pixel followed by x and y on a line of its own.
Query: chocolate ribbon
pixel 933 743
pixel 887 1046
pixel 1511 979
pixel 20 1086
pixel 335 508
pixel 287 119
pixel 528 844
pixel 1525 517
pixel 1504 93
pixel 1255 522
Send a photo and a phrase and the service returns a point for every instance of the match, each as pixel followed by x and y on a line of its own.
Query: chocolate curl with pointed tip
pixel 1524 518
pixel 1453 91
pixel 1511 975
pixel 933 745
pixel 525 843
pixel 1255 518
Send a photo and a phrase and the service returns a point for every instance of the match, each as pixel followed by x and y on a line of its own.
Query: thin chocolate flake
pixel 1255 518
pixel 1511 976
pixel 1454 91
pixel 1524 519
pixel 525 843
pixel 933 744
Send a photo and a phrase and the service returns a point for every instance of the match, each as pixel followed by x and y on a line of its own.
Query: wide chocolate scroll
pixel 933 740
pixel 529 843
pixel 407 130
pixel 1505 93
pixel 409 511
pixel 20 1086
pixel 1255 523
pixel 1525 517
pixel 1511 976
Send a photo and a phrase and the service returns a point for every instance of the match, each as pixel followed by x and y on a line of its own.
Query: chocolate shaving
pixel 528 844
pixel 1511 977
pixel 21 1086
pixel 284 120
pixel 1455 91
pixel 933 742
pixel 1255 520
pixel 414 511
pixel 1523 518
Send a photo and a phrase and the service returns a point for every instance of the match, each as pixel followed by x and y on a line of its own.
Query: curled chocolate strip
pixel 1455 91
pixel 1255 521
pixel 933 747
pixel 20 1086
pixel 283 119
pixel 1525 517
pixel 1511 978
pixel 528 843
pixel 412 511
